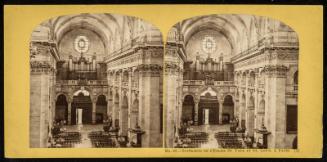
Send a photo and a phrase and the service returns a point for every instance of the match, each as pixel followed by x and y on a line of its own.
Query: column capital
pixel 150 69
pixel 278 71
pixel 93 99
pixel 69 99
pixel 41 66
pixel 172 68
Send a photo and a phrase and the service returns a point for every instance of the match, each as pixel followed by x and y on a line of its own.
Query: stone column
pixel 115 108
pixel 277 105
pixel 119 105
pixel 242 111
pixel 221 111
pixel 256 103
pixel 109 106
pixel 130 98
pixel 196 112
pixel 69 114
pixel 171 75
pixel 40 104
pixel 149 94
pixel 236 107
pixel 94 104
pixel 250 121
pixel 123 115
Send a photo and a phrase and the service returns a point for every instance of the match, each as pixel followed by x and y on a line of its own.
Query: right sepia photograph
pixel 231 81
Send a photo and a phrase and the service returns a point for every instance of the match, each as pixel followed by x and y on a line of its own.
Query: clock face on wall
pixel 208 44
pixel 81 44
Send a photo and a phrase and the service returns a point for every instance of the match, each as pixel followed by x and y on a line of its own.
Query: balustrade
pixel 81 82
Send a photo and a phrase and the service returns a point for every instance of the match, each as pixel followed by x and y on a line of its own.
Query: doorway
pixel 208 110
pixel 206 116
pixel 81 109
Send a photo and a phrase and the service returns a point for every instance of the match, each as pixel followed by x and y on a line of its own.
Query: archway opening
pixel 81 108
pixel 250 117
pixel 243 79
pixel 242 113
pixel 188 109
pixel 116 111
pixel 228 109
pixel 124 116
pixel 134 114
pixel 61 112
pixel 260 117
pixel 101 109
pixel 208 109
pixel 252 79
pixel 295 78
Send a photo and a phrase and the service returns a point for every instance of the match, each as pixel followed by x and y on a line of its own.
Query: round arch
pixel 188 109
pixel 228 109
pixel 61 110
pixel 134 113
pixel 260 116
pixel 250 117
pixel 242 111
pixel 65 94
pixel 101 108
pixel 123 116
pixel 295 78
pixel 189 94
pixel 251 78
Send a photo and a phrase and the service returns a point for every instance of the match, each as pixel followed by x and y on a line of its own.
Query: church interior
pixel 231 81
pixel 96 81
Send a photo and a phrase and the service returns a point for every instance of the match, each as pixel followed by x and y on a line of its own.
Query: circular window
pixel 208 44
pixel 81 44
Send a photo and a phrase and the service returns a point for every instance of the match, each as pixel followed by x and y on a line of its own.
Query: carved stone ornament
pixel 41 66
pixel 172 68
pixel 276 70
pixel 150 69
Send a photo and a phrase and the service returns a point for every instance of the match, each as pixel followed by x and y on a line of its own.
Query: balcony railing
pixel 277 39
pixel 193 82
pixel 82 82
pixel 224 83
pixel 202 82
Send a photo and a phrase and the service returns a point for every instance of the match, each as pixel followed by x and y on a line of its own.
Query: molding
pixel 278 71
pixel 41 67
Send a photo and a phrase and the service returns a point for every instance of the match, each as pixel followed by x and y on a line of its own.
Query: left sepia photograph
pixel 96 82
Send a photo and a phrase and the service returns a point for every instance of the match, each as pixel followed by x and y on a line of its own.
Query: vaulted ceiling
pixel 242 31
pixel 114 30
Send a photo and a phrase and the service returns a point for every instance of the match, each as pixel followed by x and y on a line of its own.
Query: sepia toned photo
pixel 96 82
pixel 231 81
pixel 163 81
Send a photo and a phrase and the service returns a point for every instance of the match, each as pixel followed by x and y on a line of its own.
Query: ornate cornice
pixel 149 69
pixel 37 48
pixel 172 68
pixel 266 54
pixel 147 50
pixel 41 66
pixel 278 71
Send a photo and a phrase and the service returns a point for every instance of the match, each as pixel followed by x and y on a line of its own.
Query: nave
pixel 89 136
pixel 210 136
